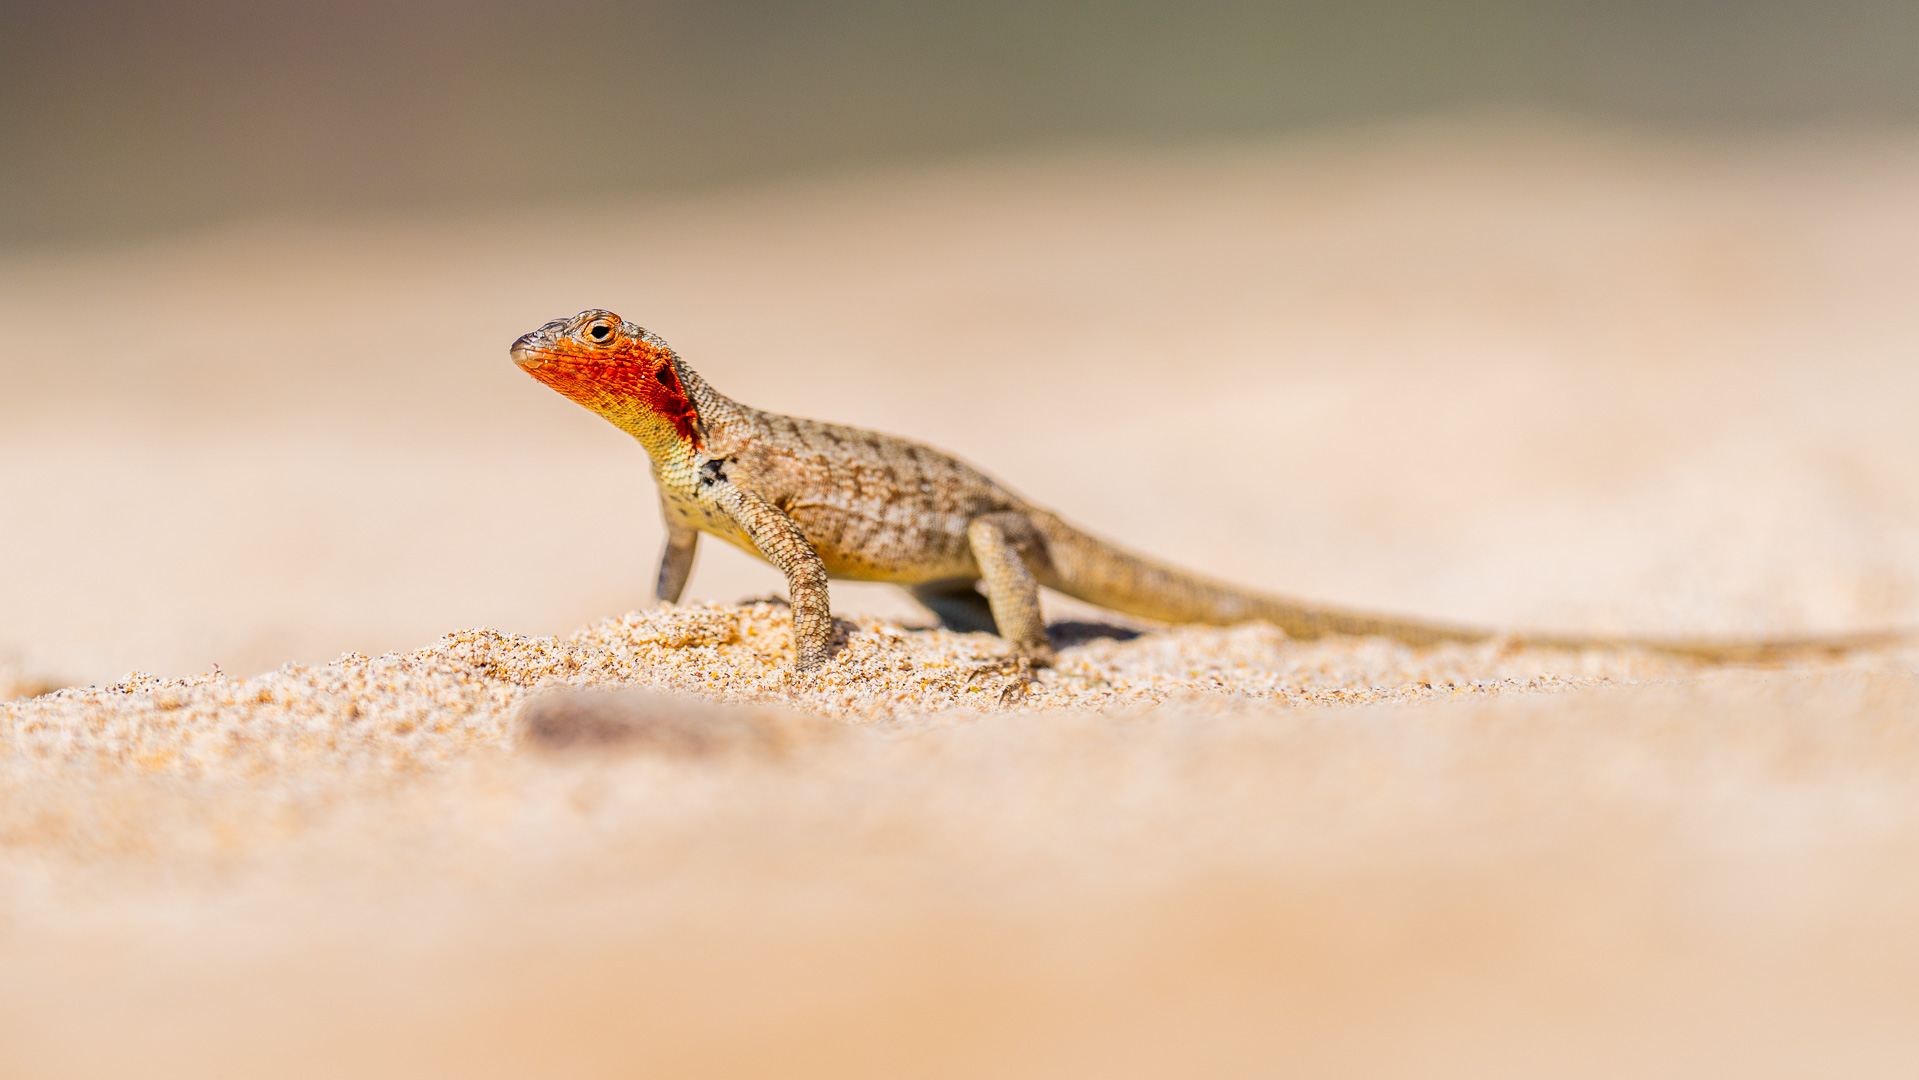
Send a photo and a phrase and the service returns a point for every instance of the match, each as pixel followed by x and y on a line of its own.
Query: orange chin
pixel 621 379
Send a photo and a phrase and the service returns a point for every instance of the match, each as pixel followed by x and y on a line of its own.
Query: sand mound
pixel 647 846
pixel 403 712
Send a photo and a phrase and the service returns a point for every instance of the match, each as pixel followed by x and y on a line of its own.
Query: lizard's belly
pixel 694 514
pixel 887 543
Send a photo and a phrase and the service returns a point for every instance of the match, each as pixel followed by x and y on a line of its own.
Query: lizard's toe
pixel 1019 666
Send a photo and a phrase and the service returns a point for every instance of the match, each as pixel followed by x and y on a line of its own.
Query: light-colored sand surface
pixel 1514 373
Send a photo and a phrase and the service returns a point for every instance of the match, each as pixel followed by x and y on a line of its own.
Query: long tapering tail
pixel 1092 570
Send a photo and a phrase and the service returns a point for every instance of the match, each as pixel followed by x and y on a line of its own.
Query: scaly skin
pixel 821 501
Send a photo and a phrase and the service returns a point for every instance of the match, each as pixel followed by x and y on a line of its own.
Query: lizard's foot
pixel 1020 666
pixel 1001 666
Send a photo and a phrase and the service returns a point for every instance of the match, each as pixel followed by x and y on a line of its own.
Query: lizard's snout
pixel 525 351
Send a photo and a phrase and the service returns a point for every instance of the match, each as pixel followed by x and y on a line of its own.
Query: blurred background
pixel 135 115
pixel 1505 299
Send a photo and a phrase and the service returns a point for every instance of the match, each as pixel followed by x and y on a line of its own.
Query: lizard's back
pixel 875 506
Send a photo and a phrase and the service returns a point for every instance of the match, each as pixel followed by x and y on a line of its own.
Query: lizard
pixel 822 501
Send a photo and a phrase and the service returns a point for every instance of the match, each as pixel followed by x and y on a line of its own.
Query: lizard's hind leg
pixel 1011 590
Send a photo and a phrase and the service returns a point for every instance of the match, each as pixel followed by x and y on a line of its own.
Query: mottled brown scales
pixel 823 500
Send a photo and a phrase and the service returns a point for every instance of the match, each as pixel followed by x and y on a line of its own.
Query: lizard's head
pixel 624 372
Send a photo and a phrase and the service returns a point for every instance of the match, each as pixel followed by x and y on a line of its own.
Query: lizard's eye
pixel 599 332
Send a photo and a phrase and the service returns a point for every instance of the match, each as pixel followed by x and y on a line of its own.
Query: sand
pixel 1521 373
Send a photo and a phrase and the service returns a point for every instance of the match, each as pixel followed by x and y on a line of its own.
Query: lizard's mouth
pixel 527 353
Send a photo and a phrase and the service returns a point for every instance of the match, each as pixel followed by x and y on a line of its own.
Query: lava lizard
pixel 820 501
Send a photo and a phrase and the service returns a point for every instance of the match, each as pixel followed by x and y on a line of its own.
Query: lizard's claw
pixel 1000 667
pixel 1019 666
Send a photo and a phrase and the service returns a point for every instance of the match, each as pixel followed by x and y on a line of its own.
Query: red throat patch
pixel 621 378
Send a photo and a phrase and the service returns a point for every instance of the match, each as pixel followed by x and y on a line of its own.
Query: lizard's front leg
pixel 1011 589
pixel 779 539
pixel 676 562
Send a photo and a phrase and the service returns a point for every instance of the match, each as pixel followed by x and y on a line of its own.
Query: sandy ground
pixel 1520 373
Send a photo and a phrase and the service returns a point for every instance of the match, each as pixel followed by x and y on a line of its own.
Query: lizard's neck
pixel 719 416
pixel 677 452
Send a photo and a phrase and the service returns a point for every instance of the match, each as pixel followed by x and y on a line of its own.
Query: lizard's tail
pixel 1092 570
